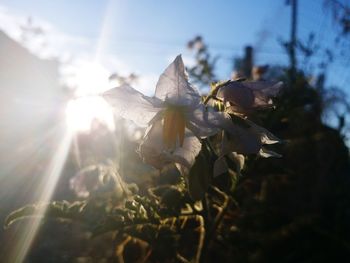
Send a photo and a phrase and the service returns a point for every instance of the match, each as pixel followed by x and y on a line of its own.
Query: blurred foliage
pixel 341 14
pixel 202 72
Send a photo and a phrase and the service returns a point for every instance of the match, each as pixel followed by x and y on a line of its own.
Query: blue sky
pixel 153 30
pixel 145 35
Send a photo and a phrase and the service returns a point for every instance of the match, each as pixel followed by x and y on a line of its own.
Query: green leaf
pixel 62 210
pixel 19 214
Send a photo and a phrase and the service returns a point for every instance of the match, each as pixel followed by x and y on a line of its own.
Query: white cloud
pixel 80 70
pixel 10 23
pixel 39 36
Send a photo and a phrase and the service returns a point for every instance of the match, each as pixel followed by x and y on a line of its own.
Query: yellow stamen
pixel 174 126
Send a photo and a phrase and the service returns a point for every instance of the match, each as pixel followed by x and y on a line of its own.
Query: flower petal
pixel 191 147
pixel 204 122
pixel 267 153
pixel 241 141
pixel 173 86
pixel 266 137
pixel 242 136
pixel 220 165
pixel 264 91
pixel 246 95
pixel 247 140
pixel 156 153
pixel 130 104
pixel 237 94
pixel 151 147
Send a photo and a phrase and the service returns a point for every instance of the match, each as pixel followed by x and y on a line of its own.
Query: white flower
pixel 175 117
pixel 244 96
pixel 240 99
pixel 249 138
pixel 245 138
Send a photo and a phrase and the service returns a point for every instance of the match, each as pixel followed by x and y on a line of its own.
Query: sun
pixel 90 79
pixel 83 111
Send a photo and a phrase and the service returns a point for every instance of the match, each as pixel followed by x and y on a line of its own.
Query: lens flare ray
pixel 45 190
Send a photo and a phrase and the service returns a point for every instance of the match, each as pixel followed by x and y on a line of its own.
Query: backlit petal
pixel 152 148
pixel 244 96
pixel 191 147
pixel 132 105
pixel 154 151
pixel 268 153
pixel 265 136
pixel 173 86
pixel 204 122
pixel 237 94
pixel 247 140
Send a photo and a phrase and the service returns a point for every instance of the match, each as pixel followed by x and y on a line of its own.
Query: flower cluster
pixel 178 121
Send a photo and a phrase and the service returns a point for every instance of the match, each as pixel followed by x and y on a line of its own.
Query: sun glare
pixel 46 187
pixel 82 112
